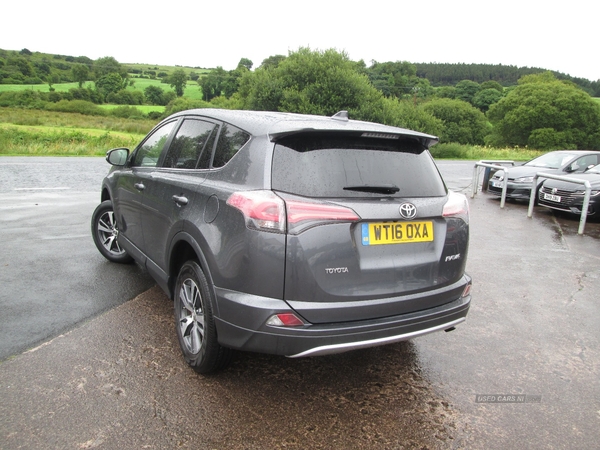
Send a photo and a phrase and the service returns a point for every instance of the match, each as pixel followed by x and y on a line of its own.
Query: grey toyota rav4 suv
pixel 288 234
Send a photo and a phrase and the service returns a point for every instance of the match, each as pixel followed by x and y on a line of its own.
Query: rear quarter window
pixel 231 140
pixel 320 165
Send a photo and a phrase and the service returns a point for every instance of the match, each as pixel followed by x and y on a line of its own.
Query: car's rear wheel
pixel 194 322
pixel 105 233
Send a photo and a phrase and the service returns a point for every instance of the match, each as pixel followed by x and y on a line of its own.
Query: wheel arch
pixel 185 248
pixel 105 195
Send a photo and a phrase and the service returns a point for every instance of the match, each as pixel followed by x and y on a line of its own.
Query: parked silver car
pixel 559 162
pixel 288 234
pixel 568 197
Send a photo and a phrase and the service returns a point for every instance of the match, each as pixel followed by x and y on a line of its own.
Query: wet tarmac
pixel 52 276
pixel 521 372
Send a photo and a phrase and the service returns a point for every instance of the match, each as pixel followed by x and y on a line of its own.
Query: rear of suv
pixel 288 234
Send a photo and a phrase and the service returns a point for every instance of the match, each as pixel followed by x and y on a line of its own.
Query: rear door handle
pixel 139 186
pixel 180 200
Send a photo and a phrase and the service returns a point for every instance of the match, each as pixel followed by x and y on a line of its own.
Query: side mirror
pixel 117 156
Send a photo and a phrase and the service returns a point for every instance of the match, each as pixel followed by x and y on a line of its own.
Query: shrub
pixel 549 139
pixel 86 94
pixel 463 123
pixel 155 115
pixel 182 104
pixel 77 106
pixel 23 99
pixel 125 97
pixel 55 97
pixel 127 112
pixel 449 151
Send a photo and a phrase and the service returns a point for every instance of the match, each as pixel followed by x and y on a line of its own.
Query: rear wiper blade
pixel 376 189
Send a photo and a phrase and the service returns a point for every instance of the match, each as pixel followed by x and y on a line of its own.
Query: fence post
pixel 586 197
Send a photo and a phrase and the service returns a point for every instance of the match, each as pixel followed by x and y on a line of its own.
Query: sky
pixel 198 33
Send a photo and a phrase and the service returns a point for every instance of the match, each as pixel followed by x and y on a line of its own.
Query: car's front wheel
pixel 105 233
pixel 195 323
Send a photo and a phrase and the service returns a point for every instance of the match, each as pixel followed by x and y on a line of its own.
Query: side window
pixel 581 164
pixel 188 144
pixel 149 153
pixel 230 141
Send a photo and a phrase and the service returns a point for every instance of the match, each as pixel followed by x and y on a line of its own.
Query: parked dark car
pixel 288 234
pixel 567 196
pixel 560 162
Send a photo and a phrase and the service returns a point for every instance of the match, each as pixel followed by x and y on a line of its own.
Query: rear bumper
pixel 241 324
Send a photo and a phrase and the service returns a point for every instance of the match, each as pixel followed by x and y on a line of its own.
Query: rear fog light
pixel 285 320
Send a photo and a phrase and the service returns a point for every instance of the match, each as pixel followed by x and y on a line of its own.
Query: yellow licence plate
pixel 378 233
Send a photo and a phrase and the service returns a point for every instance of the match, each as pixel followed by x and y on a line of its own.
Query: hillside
pixel 35 68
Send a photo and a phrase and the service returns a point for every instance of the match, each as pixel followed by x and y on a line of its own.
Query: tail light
pixel 303 215
pixel 263 210
pixel 457 206
pixel 266 211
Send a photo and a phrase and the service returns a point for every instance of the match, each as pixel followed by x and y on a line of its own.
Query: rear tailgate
pixel 333 274
pixel 374 262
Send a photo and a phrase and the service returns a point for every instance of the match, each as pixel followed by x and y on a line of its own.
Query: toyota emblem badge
pixel 408 210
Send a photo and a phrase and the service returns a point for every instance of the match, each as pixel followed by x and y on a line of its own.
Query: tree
pixel 485 98
pixel 540 104
pixel 312 82
pixel 53 78
pixel 463 123
pixel 110 83
pixel 445 92
pixel 215 83
pixel 261 90
pixel 22 64
pixel 177 80
pixel 155 95
pixel 405 114
pixel 492 85
pixel 80 73
pixel 323 83
pixel 397 79
pixel 245 62
pixel 108 64
pixel 272 61
pixel 466 90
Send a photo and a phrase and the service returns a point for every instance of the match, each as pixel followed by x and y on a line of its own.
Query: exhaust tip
pixel 450 329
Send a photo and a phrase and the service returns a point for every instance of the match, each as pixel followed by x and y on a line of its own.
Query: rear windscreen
pixel 321 165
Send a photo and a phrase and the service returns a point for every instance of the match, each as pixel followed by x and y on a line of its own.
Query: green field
pixel 60 87
pixel 192 91
pixel 44 133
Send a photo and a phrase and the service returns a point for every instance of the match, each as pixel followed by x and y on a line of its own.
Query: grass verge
pixel 51 133
pixel 41 141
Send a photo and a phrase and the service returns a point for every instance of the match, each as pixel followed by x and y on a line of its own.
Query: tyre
pixel 194 322
pixel 105 233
